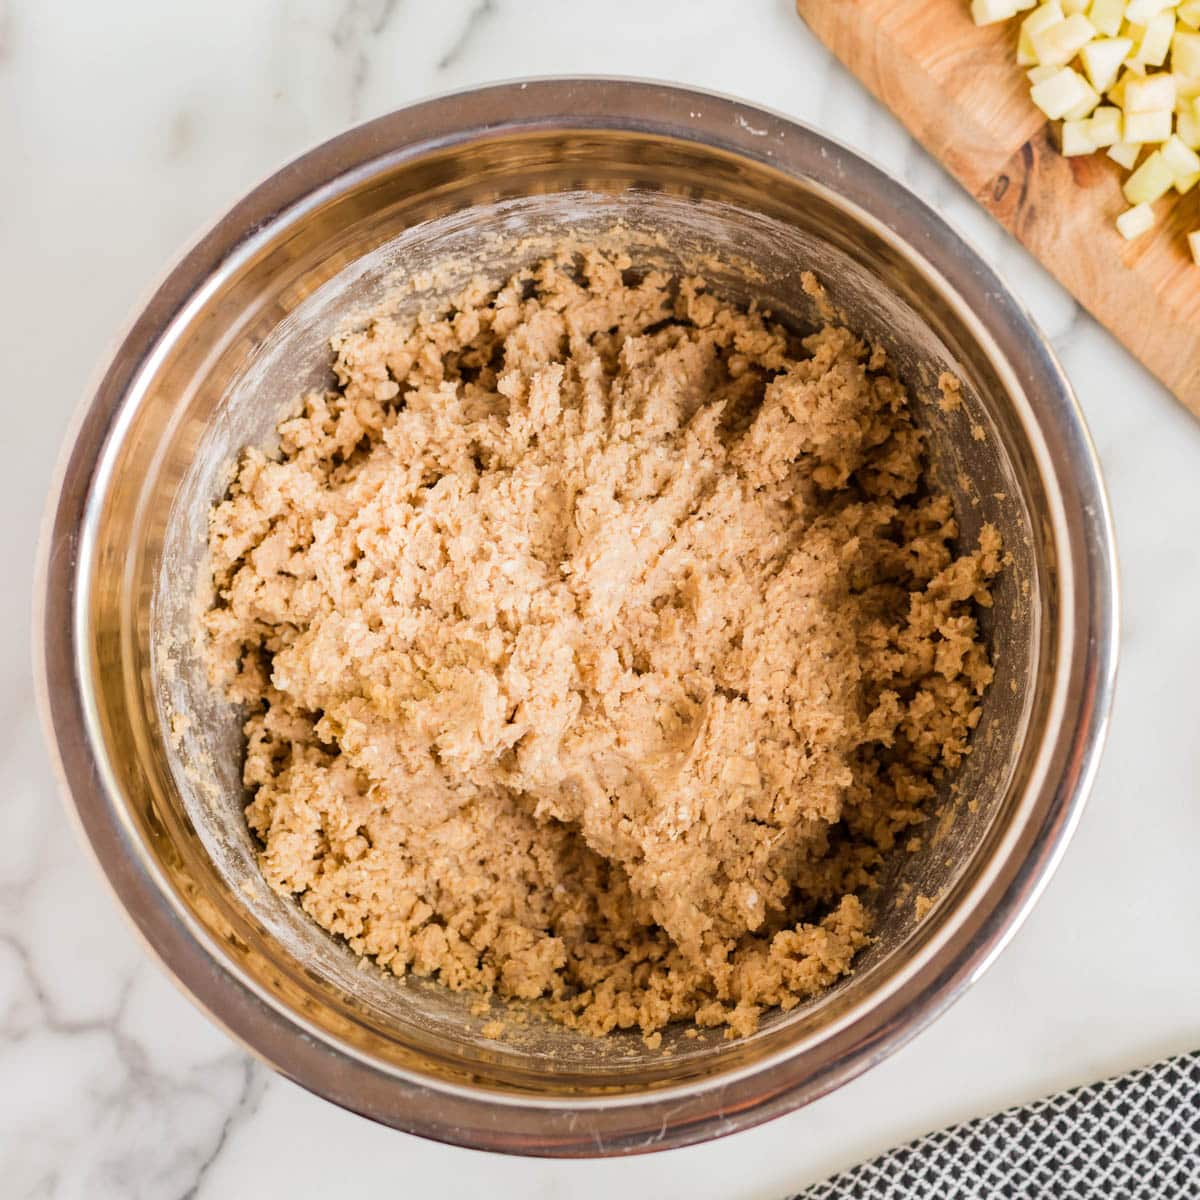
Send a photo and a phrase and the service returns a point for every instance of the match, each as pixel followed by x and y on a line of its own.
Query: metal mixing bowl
pixel 151 758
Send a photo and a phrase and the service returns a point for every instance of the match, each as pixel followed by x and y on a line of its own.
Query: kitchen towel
pixel 1132 1137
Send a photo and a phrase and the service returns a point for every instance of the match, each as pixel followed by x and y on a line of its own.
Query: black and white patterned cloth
pixel 1132 1137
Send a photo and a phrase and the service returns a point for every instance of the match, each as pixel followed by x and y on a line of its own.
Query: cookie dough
pixel 598 640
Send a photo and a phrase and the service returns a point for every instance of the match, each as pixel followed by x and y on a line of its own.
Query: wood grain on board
pixel 960 92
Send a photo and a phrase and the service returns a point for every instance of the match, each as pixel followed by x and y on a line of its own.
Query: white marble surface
pixel 127 126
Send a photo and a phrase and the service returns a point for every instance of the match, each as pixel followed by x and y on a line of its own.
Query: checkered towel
pixel 1133 1137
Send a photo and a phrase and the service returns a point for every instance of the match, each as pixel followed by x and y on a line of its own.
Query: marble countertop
pixel 128 126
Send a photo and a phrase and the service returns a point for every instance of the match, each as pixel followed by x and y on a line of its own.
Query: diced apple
pixel 1135 221
pixel 1155 43
pixel 1116 93
pixel 1125 154
pixel 1102 60
pixel 1183 162
pixel 989 12
pixel 1186 90
pixel 1124 98
pixel 1057 44
pixel 1185 54
pixel 1086 104
pixel 1150 181
pixel 1140 11
pixel 1045 14
pixel 1187 129
pixel 1151 94
pixel 1075 138
pixel 1181 158
pixel 1040 19
pixel 1060 93
pixel 1105 126
pixel 1148 127
pixel 1106 16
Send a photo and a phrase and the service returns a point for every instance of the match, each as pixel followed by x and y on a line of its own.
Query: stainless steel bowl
pixel 151 758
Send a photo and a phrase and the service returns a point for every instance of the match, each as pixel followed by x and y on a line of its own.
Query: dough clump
pixel 598 640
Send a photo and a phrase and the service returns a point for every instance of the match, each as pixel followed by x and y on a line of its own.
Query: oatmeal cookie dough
pixel 598 640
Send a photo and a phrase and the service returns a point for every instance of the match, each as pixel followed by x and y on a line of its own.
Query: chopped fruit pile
pixel 1122 76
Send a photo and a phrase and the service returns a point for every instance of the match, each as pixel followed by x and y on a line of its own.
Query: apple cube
pixel 1183 163
pixel 1125 153
pixel 1140 11
pixel 1105 126
pixel 1040 19
pixel 988 12
pixel 1086 104
pixel 1106 16
pixel 1065 90
pixel 1185 55
pixel 1151 94
pixel 1057 44
pixel 1153 179
pixel 1116 93
pixel 1155 43
pixel 1102 60
pixel 1075 138
pixel 1186 90
pixel 1135 221
pixel 1187 129
pixel 1148 127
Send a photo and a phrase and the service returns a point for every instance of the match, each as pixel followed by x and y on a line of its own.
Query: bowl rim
pixel 482 1118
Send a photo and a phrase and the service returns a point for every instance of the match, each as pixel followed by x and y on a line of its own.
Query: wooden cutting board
pixel 960 93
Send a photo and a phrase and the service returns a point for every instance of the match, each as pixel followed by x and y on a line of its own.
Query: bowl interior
pixel 412 229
